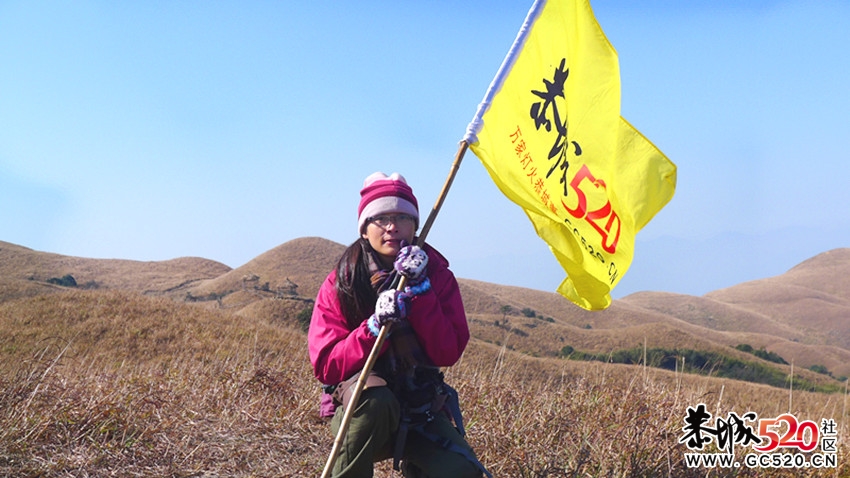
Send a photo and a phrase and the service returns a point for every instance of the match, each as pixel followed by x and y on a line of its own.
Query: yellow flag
pixel 550 134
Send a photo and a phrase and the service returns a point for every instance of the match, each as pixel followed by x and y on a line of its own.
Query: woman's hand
pixel 390 308
pixel 412 262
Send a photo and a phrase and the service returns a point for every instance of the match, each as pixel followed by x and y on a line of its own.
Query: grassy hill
pixel 189 368
pixel 24 271
pixel 799 316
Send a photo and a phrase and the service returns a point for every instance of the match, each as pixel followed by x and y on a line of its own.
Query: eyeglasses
pixel 384 220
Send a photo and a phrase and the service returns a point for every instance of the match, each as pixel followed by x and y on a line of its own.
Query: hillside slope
pixel 800 315
pixel 26 272
pixel 297 267
pixel 812 298
pixel 106 383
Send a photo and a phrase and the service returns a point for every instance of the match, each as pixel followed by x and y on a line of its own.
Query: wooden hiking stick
pixel 385 329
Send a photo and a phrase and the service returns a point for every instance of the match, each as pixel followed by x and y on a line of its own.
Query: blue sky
pixel 154 130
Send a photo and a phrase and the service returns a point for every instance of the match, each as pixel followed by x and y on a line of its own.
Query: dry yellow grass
pixel 304 262
pixel 804 329
pixel 106 383
pixel 131 379
pixel 23 264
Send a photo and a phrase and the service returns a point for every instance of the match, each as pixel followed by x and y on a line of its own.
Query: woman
pixel 399 413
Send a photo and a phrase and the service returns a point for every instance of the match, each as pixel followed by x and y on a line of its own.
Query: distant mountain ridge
pixel 800 315
pixel 25 268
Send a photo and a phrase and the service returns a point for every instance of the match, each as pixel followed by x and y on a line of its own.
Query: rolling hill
pixel 190 368
pixel 799 316
pixel 28 272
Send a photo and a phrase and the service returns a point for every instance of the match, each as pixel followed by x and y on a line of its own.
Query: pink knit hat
pixel 382 194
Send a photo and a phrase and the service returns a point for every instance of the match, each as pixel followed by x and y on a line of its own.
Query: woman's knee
pixel 379 404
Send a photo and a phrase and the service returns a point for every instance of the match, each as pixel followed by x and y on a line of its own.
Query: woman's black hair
pixel 353 283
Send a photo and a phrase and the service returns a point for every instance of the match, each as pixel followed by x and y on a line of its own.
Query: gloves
pixel 392 305
pixel 390 308
pixel 412 262
pixel 412 291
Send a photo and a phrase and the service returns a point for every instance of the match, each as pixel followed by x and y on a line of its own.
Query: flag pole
pixel 464 145
pixel 382 335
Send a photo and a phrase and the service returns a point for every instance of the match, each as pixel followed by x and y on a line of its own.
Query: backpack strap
pixel 451 446
pixel 453 406
pixel 411 418
pixel 400 440
pixel 415 419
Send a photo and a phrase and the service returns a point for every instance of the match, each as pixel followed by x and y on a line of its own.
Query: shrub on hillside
pixel 65 281
pixel 304 318
pixel 699 362
pixel 820 369
pixel 762 353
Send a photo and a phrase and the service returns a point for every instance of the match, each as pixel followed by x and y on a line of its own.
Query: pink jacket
pixel 437 317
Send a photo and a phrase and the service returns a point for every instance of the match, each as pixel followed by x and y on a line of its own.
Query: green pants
pixel 371 437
